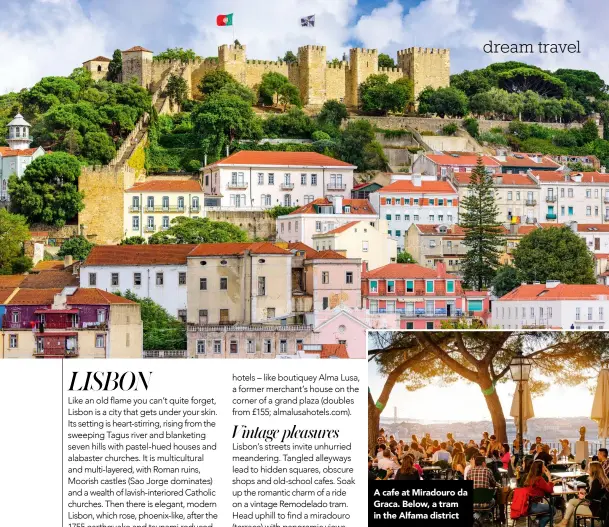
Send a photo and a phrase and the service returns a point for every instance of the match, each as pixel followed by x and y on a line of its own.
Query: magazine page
pixel 244 243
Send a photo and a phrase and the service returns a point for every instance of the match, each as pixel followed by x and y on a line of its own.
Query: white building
pixel 15 157
pixel 322 216
pixel 157 272
pixel 573 196
pixel 552 306
pixel 260 180
pixel 150 206
pixel 412 199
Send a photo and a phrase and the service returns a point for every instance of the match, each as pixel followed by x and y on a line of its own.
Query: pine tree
pixel 483 231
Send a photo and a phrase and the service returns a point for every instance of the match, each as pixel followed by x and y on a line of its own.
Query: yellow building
pixel 359 239
pixel 150 206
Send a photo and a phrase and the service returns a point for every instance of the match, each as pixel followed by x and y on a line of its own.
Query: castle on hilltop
pixel 317 79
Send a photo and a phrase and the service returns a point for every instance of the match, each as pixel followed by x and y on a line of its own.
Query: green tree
pixel 98 148
pixel 20 265
pixel 181 54
pixel 273 85
pixel 13 233
pixel 293 123
pixel 78 247
pixel 289 95
pixel 198 230
pixel 49 92
pixel 405 257
pixel 48 191
pixel 115 68
pixel 506 279
pixel 280 210
pixel 522 79
pixel 589 131
pixel 358 146
pixel 445 102
pixel 289 58
pixel 481 104
pixel 554 254
pixel 471 125
pixel 385 61
pixel 378 96
pixel 221 119
pixel 214 81
pixel 177 91
pixel 482 229
pixel 552 109
pixel 161 330
pixel 133 240
pixel 332 113
pixel 72 142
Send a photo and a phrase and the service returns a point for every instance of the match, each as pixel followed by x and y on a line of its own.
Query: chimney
pixel 499 180
pixel 441 269
pixel 205 160
pixel 603 169
pixel 416 180
pixel 514 228
pixel 338 204
pixel 573 226
pixel 550 284
pixel 364 266
pixel 67 260
pixel 59 301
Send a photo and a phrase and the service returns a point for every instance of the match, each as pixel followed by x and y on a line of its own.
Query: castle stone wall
pixel 426 67
pixel 196 71
pixel 258 224
pixel 336 81
pixel 312 64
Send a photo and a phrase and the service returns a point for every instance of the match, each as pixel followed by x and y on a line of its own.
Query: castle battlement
pixel 312 48
pixel 389 70
pixel 409 51
pixel 365 51
pixel 232 47
pixel 339 66
pixel 266 62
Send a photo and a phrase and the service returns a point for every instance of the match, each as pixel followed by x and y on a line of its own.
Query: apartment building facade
pixel 150 206
pixel 442 165
pixel 259 180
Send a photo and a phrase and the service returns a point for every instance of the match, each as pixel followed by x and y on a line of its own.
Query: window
pixel 589 313
pixel 92 279
pixel 349 277
pixel 409 325
pixel 182 278
pixel 365 246
pixel 398 233
pixel 570 193
pixel 325 302
pixel 388 217
pixel 325 277
pixel 518 196
pixel 474 305
pixel 260 178
pixel 234 347
pixel 409 286
pixel 318 226
pixel 137 279
pixel 313 180
pixel 415 217
pixel 150 202
pixel 135 223
pixel 562 210
pixel 200 347
pixel 429 286
pixel 601 314
pixel 432 201
pixel 15 317
pixel 390 286
pixel 283 346
pixel 270 312
pixel 549 310
pixel 303 179
pixel 267 347
pixel 532 312
pixel 261 285
pixel 250 347
pixel 271 179
pixel 588 193
pixel 428 325
pixel 588 211
pixel 114 279
pixel 509 196
pixel 203 317
pixel 374 306
pixel 287 200
pixel 13 341
pixel 373 286
pixel 165 222
pixel 223 284
pixel 217 346
pixel 165 202
pixel 101 315
pixel 450 286
pixel 596 211
pixel 182 315
pixel 578 313
pixel 150 223
pixel 159 279
pixel 202 284
pixel 195 203
pixel 570 211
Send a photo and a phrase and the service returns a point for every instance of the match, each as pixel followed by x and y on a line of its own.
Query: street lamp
pixel 520 369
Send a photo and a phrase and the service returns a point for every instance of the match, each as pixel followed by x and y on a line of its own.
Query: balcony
pixel 195 208
pixel 149 228
pixel 134 209
pixel 56 353
pixel 165 354
pixel 286 186
pixel 172 208
pixel 530 202
pixel 236 185
pixel 229 327
pixel 531 221
pixel 550 216
pixel 550 198
pixel 336 186
pixel 606 217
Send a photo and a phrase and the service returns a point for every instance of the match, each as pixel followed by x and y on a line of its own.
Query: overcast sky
pixel 51 37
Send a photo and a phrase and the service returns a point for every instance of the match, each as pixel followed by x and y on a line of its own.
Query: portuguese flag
pixel 224 20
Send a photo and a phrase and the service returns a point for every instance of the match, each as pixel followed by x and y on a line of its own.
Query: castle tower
pixel 232 59
pixel 312 74
pixel 19 133
pixel 98 67
pixel 137 63
pixel 362 63
pixel 425 67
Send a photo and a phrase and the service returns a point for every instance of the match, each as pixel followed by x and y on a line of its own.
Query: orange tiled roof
pixel 166 185
pixel 559 292
pixel 34 297
pixel 50 280
pixel 329 255
pixel 358 206
pixel 5 151
pixel 506 179
pixel 236 249
pixel 5 294
pixel 407 186
pixel 11 280
pixel 522 230
pixel 461 159
pixel 558 176
pixel 99 58
pixel 333 350
pixel 92 296
pixel 592 227
pixel 526 161
pixel 455 230
pixel 343 228
pixel 299 246
pixel 49 265
pixel 397 270
pixel 253 157
pixel 137 48
pixel 551 225
pixel 138 254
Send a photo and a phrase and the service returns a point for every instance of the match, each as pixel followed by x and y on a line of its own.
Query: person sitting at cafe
pixel 371 473
pixel 602 459
pixel 504 455
pixel 494 444
pixel 588 504
pixel 442 454
pixel 565 450
pixel 524 470
pixel 542 455
pixel 388 461
pixel 407 471
pixel 539 487
pixel 533 448
pixel 415 450
pixel 392 442
pixel 379 451
pixel 471 450
pixel 459 464
pixel 485 440
pixel 482 477
pixel 470 464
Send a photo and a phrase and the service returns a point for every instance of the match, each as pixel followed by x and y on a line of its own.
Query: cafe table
pixel 568 475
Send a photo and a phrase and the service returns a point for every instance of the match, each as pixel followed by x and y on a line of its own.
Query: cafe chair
pixel 586 520
pixel 530 516
pixel 485 504
pixel 557 467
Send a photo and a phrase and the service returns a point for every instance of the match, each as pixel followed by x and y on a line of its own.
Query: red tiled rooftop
pixel 95 297
pixel 99 58
pixel 299 246
pixel 167 185
pixel 506 179
pixel 267 158
pixel 521 231
pixel 236 249
pixel 338 351
pixel 8 281
pixel 329 255
pixel 407 186
pixel 5 151
pixel 34 297
pixel 138 254
pixel 398 270
pixel 343 228
pixel 593 227
pixel 559 176
pixel 525 160
pixel 50 280
pixel 137 48
pixel 358 206
pixel 5 294
pixel 462 159
pixel 558 292
pixel 455 230
pixel 49 265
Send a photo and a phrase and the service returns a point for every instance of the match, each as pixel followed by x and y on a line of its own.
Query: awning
pixel 56 311
pixel 53 334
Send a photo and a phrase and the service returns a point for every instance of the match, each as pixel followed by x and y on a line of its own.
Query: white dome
pixel 19 121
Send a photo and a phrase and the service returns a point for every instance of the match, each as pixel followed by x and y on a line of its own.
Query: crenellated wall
pixel 426 67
